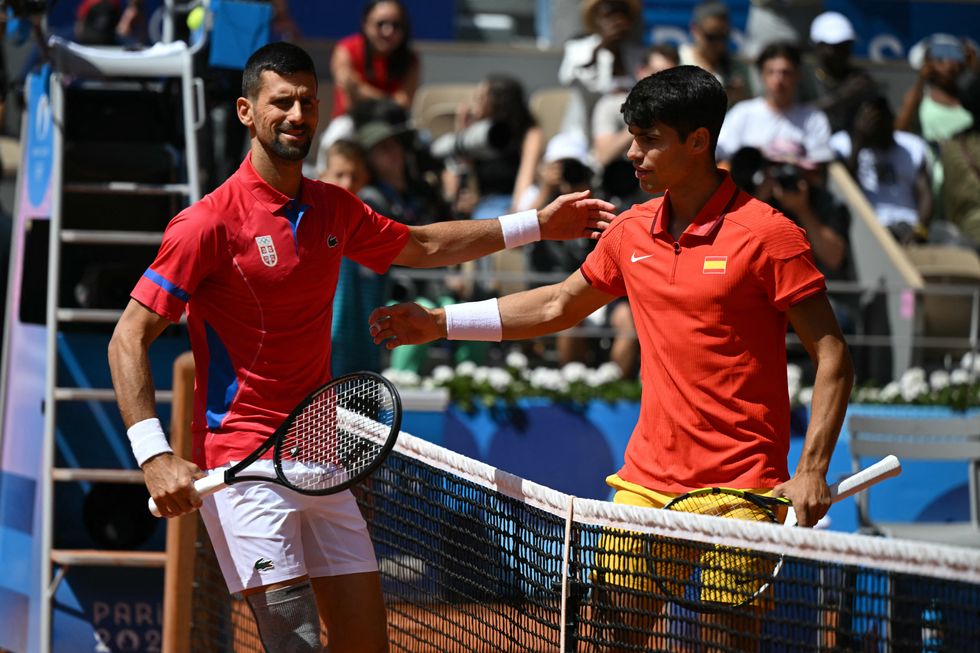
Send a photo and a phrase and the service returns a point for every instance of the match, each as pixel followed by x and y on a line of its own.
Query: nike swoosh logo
pixel 634 258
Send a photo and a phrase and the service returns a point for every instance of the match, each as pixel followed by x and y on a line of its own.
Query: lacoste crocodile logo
pixel 264 565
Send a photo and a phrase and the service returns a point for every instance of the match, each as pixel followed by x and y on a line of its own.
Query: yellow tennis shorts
pixel 624 560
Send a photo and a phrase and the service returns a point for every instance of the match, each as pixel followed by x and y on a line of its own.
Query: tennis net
pixel 476 559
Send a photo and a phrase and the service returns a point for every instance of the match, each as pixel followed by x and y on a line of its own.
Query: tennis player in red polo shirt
pixel 255 266
pixel 713 276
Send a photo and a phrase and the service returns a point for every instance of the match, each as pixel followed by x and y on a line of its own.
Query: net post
pixel 181 532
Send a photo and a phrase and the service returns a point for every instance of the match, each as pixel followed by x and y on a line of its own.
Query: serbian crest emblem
pixel 267 250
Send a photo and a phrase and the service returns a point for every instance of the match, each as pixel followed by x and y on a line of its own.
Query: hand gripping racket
pixel 715 576
pixel 336 437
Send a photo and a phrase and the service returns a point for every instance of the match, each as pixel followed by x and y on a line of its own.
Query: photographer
pixel 567 168
pixel 501 173
pixel 782 176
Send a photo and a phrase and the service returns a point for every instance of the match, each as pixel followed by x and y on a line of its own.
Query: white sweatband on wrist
pixel 474 321
pixel 520 228
pixel 147 439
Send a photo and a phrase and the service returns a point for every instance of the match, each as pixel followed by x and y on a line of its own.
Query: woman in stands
pixel 378 61
pixel 502 173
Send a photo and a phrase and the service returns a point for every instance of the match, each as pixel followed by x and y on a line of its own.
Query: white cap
pixel 832 28
pixel 568 145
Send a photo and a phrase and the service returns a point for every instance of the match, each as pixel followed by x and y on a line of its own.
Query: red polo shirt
pixel 710 313
pixel 257 273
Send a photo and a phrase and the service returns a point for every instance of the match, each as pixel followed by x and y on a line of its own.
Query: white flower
pixel 868 395
pixel 891 391
pixel 517 360
pixel 939 380
pixel 429 384
pixel 960 377
pixel 481 374
pixel 609 372
pixel 593 378
pixel 805 396
pixel 466 368
pixel 914 389
pixel 443 374
pixel 970 362
pixel 913 383
pixel 402 378
pixel 913 374
pixel 574 371
pixel 548 379
pixel 499 379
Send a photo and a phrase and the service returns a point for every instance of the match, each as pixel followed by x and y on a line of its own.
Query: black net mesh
pixel 466 568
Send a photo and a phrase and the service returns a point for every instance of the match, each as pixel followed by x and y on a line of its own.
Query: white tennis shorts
pixel 264 533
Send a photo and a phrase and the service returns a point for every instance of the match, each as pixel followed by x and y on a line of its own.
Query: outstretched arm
pixel 814 322
pixel 168 478
pixel 527 314
pixel 575 215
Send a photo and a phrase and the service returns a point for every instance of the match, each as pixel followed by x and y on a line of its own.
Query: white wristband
pixel 147 440
pixel 520 228
pixel 474 321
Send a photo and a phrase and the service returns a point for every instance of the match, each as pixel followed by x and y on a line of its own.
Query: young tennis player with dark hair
pixel 255 266
pixel 713 276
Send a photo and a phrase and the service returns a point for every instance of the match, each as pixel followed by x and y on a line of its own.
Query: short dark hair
pixel 779 50
pixel 684 98
pixel 281 58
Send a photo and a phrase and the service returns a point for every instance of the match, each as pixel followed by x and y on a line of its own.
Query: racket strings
pixel 715 575
pixel 337 435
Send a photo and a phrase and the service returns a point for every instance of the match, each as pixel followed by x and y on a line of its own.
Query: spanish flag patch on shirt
pixel 715 265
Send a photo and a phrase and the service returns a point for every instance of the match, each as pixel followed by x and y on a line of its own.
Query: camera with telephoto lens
pixel 575 173
pixel 786 175
pixel 481 140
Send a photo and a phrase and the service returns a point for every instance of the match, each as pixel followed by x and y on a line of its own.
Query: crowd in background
pixel 797 101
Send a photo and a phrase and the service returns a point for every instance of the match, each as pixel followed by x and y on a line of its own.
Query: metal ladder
pixel 70 62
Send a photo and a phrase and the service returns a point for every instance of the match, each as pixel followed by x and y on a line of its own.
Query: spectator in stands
pixel 782 176
pixel 567 167
pixel 378 61
pixel 835 85
pixel 503 172
pixel 776 115
pixel 890 167
pixel 610 137
pixel 345 165
pixel 396 191
pixel 358 288
pixel 601 62
pixel 932 106
pixel 711 31
pixel 345 127
pixel 961 161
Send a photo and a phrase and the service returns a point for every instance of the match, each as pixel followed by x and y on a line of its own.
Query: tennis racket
pixel 336 437
pixel 715 576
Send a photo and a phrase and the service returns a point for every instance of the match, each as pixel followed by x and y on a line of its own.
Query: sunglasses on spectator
pixel 395 25
pixel 716 37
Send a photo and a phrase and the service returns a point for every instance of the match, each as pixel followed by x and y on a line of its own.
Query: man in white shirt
pixel 601 62
pixel 776 115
